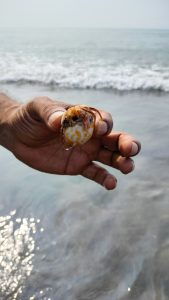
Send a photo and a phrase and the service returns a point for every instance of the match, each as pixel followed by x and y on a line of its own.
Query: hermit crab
pixel 78 124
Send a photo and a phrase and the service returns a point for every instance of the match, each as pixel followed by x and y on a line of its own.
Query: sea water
pixel 99 59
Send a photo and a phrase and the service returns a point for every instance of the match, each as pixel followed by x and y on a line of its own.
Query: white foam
pixel 84 75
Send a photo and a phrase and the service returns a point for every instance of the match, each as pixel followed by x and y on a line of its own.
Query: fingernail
pixel 54 116
pixel 134 149
pixel 102 128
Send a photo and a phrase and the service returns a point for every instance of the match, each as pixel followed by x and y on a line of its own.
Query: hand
pixel 37 142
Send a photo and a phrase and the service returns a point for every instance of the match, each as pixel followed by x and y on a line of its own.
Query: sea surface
pixel 66 238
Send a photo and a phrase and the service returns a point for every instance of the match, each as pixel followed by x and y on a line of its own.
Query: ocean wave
pixel 84 75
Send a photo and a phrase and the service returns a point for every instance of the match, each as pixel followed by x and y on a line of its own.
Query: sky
pixel 85 13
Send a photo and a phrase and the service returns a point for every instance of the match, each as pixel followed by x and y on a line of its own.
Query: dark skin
pixel 32 132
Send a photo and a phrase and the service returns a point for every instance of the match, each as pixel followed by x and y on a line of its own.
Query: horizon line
pixel 84 27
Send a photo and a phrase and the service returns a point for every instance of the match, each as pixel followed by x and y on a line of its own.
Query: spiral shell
pixel 77 125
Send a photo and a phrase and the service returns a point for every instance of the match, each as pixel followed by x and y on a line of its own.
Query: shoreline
pixel 55 89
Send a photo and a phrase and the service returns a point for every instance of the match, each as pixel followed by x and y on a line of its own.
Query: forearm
pixel 7 107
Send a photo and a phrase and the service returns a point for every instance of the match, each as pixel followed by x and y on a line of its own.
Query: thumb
pixel 48 111
pixel 54 120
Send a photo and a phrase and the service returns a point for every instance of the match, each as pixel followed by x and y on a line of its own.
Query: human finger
pixel 48 111
pixel 123 143
pixel 128 145
pixel 100 175
pixel 115 160
pixel 103 122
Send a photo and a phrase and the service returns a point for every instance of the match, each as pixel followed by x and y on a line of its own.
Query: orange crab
pixel 78 124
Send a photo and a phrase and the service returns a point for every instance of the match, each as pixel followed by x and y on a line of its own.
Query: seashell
pixel 77 125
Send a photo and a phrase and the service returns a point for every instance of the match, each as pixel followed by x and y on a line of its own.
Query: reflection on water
pixel 17 247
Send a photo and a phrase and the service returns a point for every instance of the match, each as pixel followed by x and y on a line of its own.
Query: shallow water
pixel 81 241
pixel 86 58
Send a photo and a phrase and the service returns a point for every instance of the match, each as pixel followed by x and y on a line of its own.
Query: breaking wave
pixel 84 75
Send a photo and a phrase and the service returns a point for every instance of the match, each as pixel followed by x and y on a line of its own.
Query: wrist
pixel 8 108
